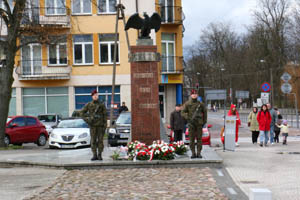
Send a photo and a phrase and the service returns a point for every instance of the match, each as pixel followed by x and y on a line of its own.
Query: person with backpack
pixel 264 120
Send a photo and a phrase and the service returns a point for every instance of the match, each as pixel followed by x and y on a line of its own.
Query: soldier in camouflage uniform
pixel 195 114
pixel 94 113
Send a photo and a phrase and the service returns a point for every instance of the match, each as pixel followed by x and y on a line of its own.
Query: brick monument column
pixel 145 125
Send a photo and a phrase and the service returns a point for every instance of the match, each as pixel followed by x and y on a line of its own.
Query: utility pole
pixel 120 10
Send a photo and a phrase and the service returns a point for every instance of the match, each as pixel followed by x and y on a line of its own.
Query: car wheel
pixel 42 140
pixel 6 140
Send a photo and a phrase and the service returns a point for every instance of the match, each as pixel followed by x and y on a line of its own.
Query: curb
pixel 116 164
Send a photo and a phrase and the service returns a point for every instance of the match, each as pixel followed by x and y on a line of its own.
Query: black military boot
pixel 199 155
pixel 100 156
pixel 193 156
pixel 94 158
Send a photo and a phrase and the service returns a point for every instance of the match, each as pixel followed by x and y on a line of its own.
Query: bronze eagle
pixel 145 25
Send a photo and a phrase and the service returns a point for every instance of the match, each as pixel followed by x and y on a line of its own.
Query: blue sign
pixel 265 87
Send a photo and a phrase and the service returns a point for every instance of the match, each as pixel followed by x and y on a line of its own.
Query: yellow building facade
pixel 58 77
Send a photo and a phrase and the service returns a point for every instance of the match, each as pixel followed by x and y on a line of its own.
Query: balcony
pixel 171 64
pixel 171 14
pixel 34 70
pixel 46 17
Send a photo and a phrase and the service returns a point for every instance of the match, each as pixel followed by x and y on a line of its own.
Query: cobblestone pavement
pixel 155 183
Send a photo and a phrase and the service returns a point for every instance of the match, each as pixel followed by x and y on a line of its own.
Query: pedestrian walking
pixel 273 122
pixel 123 108
pixel 285 131
pixel 264 120
pixel 94 114
pixel 177 123
pixel 276 128
pixel 195 113
pixel 233 112
pixel 253 124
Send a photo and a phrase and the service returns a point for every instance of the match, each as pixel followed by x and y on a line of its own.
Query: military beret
pixel 193 92
pixel 94 92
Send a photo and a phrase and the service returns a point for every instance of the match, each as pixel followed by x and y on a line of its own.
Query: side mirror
pixel 209 126
pixel 14 125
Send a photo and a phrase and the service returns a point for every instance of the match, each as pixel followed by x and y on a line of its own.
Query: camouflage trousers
pixel 97 134
pixel 195 132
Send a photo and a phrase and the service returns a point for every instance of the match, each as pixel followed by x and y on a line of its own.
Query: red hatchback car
pixel 185 136
pixel 25 129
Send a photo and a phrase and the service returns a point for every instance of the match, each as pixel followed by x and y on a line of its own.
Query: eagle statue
pixel 145 25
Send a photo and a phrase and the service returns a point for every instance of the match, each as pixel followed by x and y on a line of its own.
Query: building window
pixel 58 51
pixel 31 59
pixel 107 6
pixel 82 7
pixel 83 49
pixel 55 7
pixel 167 10
pixel 83 96
pixel 46 100
pixel 168 52
pixel 106 45
pixel 12 104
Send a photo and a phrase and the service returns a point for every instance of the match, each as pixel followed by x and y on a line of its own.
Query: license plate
pixel 123 135
pixel 67 146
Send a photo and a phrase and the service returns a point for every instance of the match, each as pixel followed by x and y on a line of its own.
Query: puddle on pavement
pixel 294 153
pixel 32 187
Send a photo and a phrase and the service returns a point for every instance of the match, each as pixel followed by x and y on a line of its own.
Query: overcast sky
pixel 199 13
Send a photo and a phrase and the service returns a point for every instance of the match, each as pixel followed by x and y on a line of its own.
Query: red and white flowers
pixel 180 147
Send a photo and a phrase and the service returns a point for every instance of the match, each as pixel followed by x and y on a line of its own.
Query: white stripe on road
pixel 231 191
pixel 220 173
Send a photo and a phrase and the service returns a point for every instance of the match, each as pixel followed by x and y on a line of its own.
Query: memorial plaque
pixel 230 125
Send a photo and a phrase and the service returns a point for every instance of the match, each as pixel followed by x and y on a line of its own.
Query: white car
pixel 70 133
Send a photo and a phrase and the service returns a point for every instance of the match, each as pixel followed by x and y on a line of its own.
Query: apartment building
pixel 58 78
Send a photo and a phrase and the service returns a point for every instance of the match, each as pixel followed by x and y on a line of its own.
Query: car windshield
pixel 47 118
pixel 72 123
pixel 8 119
pixel 124 118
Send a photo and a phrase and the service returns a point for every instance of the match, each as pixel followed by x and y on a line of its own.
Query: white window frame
pixel 167 42
pixel 55 8
pixel 83 53
pixel 110 57
pixel 32 58
pixel 81 8
pixel 166 11
pixel 107 8
pixel 57 55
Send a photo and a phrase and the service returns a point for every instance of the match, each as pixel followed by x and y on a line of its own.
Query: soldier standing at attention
pixel 94 114
pixel 196 115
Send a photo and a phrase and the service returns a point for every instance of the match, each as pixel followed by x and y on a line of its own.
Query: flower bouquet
pixel 180 147
pixel 161 151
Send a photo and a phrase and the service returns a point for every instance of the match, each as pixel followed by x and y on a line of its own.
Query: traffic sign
pixel 265 87
pixel 286 77
pixel 286 88
pixel 215 94
pixel 239 94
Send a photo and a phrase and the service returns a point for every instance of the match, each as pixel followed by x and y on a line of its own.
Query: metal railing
pixel 36 70
pixel 171 64
pixel 46 16
pixel 171 14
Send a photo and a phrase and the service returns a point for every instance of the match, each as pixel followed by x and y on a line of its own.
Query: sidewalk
pixel 80 158
pixel 274 167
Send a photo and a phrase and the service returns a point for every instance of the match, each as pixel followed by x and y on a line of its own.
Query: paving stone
pixel 160 183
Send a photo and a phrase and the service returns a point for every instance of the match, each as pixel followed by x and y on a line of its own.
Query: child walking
pixel 285 131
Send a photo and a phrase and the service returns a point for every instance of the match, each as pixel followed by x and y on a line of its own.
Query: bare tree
pixel 20 19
